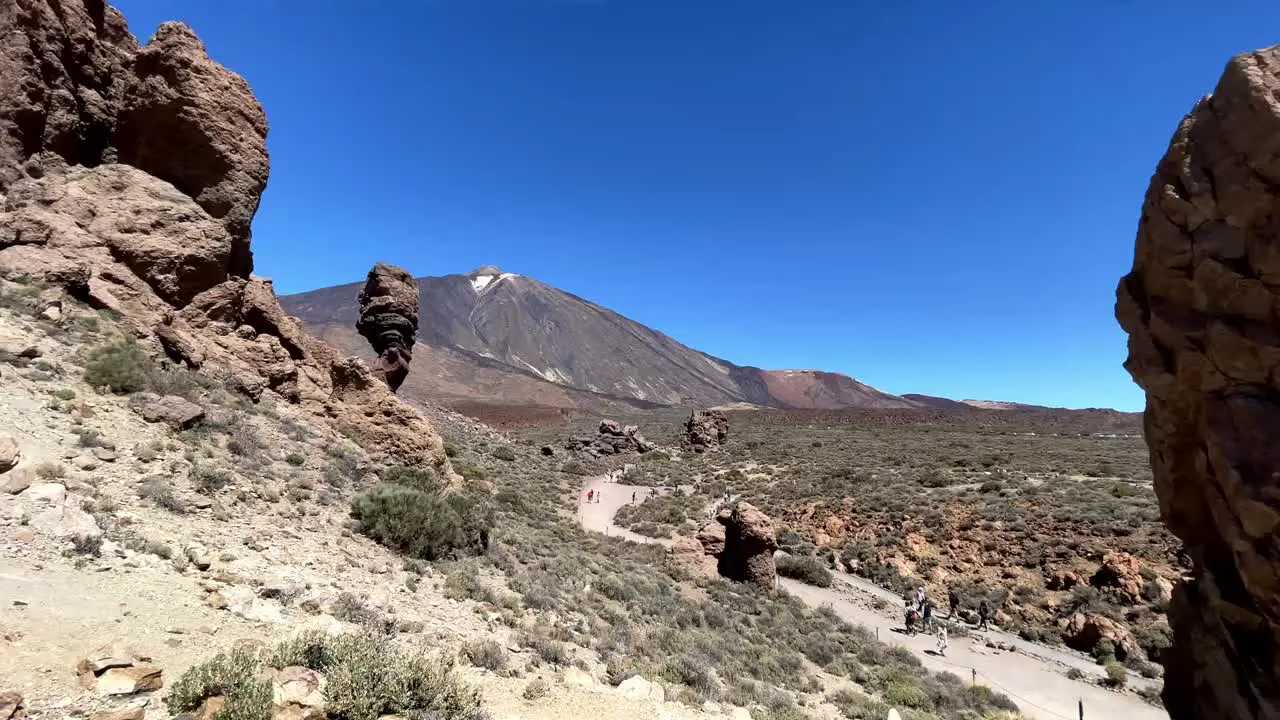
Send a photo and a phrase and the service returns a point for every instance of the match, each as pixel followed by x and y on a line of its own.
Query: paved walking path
pixel 1034 676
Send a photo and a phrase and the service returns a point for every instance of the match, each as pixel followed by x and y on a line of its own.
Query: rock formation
pixel 705 429
pixel 1200 307
pixel 129 177
pixel 612 439
pixel 738 544
pixel 389 320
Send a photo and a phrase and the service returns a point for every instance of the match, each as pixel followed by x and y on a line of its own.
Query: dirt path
pixel 1034 676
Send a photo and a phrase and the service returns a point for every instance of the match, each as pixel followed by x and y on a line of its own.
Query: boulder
pixel 1084 632
pixel 191 122
pixel 637 688
pixel 712 536
pixel 1199 306
pixel 136 712
pixel 117 670
pixel 297 693
pixel 1063 580
pixel 690 557
pixel 749 543
pixel 575 677
pixel 12 707
pixel 612 439
pixel 389 320
pixel 1121 573
pixel 9 453
pixel 706 429
pixel 177 412
pixel 16 480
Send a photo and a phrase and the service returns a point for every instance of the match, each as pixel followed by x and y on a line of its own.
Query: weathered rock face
pixel 738 544
pixel 129 178
pixel 749 543
pixel 1085 632
pixel 62 74
pixel 1121 573
pixel 189 121
pixel 389 320
pixel 1200 307
pixel 708 428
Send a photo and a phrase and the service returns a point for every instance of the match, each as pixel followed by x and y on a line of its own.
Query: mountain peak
pixel 485 275
pixel 485 270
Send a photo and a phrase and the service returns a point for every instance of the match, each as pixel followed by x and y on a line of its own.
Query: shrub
pixel 1075 674
pixel 486 654
pixel 234 676
pixel 50 470
pixel 424 525
pixel 470 472
pixel 412 477
pixel 295 459
pixel 806 569
pixel 119 367
pixel 349 608
pixel 536 688
pixel 87 438
pixel 208 479
pixel 161 494
pixel 65 394
pixel 450 450
pixel 1117 675
pixel 504 453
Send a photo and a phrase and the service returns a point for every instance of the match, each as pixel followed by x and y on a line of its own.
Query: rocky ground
pixel 179 543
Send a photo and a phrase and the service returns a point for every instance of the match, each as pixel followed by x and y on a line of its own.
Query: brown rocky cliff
pixel 130 177
pixel 1201 308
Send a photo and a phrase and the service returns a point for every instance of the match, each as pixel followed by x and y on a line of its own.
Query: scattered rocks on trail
pixel 706 429
pixel 178 412
pixel 118 670
pixel 17 480
pixel 389 320
pixel 297 693
pixel 612 439
pixel 739 545
pixel 637 688
pixel 1199 308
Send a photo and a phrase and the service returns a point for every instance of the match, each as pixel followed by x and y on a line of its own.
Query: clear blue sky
pixel 933 197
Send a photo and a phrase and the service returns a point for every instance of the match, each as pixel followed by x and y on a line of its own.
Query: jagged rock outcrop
pixel 63 68
pixel 1200 307
pixel 190 121
pixel 708 428
pixel 129 178
pixel 612 439
pixel 1121 573
pixel 389 320
pixel 738 544
pixel 1086 632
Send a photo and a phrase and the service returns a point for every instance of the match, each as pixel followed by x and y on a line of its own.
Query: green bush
pixel 1117 674
pixel 422 524
pixel 119 367
pixel 504 453
pixel 806 569
pixel 487 654
pixel 234 676
pixel 295 459
pixel 412 477
pixel 536 688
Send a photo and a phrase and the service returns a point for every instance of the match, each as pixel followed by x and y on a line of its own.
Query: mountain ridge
pixel 529 331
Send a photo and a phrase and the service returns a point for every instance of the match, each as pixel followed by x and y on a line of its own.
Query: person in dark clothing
pixel 953 599
pixel 984 611
pixel 928 616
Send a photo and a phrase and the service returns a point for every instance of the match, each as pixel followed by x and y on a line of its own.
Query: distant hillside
pixel 493 336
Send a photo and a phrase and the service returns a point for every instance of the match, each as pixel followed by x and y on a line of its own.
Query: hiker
pixel 953 599
pixel 598 494
pixel 984 610
pixel 920 597
pixel 912 616
pixel 928 616
pixel 633 497
pixel 590 494
pixel 942 641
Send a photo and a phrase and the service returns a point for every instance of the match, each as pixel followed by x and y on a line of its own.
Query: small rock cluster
pixel 612 439
pixel 738 544
pixel 118 670
pixel 706 429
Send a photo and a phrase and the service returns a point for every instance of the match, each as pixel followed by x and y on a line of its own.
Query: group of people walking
pixel 919 615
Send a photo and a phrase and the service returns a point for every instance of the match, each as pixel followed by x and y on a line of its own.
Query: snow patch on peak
pixel 480 282
pixel 506 275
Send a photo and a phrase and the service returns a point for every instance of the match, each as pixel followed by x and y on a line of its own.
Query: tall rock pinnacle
pixel 389 320
pixel 1202 309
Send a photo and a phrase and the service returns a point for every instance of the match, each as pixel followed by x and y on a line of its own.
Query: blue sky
pixel 932 196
